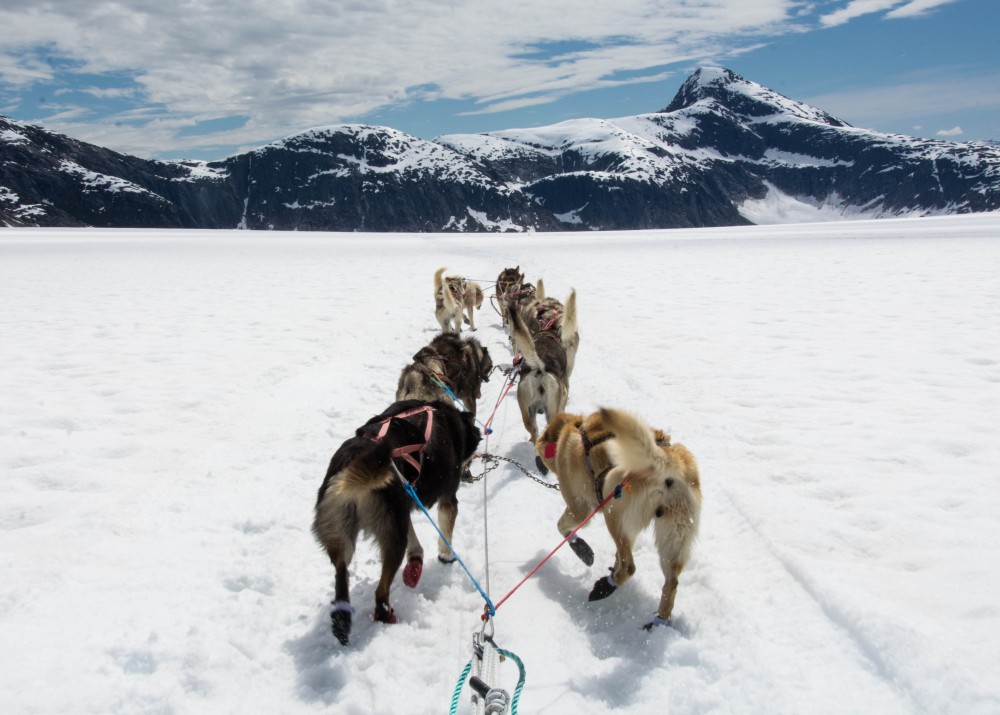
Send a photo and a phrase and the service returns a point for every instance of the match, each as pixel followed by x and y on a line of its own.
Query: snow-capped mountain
pixel 721 147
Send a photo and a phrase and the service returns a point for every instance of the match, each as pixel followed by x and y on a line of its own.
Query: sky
pixel 172 400
pixel 207 78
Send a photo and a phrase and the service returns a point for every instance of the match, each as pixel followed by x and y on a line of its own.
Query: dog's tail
pixel 370 472
pixel 635 446
pixel 443 290
pixel 439 279
pixel 523 342
pixel 567 331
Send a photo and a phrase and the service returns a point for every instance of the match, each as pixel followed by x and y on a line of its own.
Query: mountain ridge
pixel 721 144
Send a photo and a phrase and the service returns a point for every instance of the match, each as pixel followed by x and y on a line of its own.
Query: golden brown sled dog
pixel 427 443
pixel 448 299
pixel 591 457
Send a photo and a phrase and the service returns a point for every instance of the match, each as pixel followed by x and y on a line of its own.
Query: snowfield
pixel 169 402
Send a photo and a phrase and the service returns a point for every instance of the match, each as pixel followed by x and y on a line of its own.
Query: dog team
pixel 421 446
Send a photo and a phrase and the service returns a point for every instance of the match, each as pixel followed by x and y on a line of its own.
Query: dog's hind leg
pixel 343 613
pixel 414 558
pixel 524 401
pixel 569 521
pixel 624 563
pixel 393 549
pixel 671 573
pixel 447 513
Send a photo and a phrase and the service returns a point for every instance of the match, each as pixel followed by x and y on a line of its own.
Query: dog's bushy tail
pixel 444 291
pixel 523 341
pixel 370 472
pixel 634 444
pixel 567 331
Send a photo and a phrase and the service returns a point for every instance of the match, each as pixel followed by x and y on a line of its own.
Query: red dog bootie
pixel 412 571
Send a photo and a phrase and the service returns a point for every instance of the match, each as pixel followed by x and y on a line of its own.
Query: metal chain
pixel 492 461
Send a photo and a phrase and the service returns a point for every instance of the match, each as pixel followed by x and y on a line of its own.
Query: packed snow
pixel 169 402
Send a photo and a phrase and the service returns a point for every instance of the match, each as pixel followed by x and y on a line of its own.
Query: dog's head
pixel 509 279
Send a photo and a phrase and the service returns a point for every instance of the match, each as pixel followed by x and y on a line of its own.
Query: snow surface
pixel 169 402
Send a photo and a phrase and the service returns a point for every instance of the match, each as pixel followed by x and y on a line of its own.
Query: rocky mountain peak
pixel 720 86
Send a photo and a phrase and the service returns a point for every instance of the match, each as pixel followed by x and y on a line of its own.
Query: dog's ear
pixel 487 365
pixel 423 353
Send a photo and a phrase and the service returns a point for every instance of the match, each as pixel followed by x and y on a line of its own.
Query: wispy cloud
pixel 911 96
pixel 299 63
pixel 953 132
pixel 893 9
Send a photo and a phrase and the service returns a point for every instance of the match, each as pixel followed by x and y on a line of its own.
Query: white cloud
pixel 289 64
pixel 896 9
pixel 917 8
pixel 912 96
pixel 953 132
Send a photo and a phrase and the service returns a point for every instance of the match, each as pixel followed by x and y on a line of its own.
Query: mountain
pixel 722 144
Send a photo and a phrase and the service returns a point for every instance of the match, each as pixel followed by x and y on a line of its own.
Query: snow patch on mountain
pixel 95 181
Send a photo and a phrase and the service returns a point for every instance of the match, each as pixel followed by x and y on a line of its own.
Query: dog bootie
pixel 602 589
pixel 657 621
pixel 540 465
pixel 384 613
pixel 446 559
pixel 411 572
pixel 340 620
pixel 582 549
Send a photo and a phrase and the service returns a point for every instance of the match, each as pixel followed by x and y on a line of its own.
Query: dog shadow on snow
pixel 613 627
pixel 324 667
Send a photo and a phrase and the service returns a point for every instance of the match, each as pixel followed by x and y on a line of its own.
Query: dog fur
pixel 362 493
pixel 543 385
pixel 547 313
pixel 462 364
pixel 511 289
pixel 448 299
pixel 663 488
pixel 472 300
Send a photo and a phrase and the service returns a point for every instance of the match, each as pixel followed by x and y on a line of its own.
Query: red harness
pixel 406 452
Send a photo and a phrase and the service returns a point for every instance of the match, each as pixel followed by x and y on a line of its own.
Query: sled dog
pixel 591 457
pixel 543 384
pixel 472 300
pixel 461 365
pixel 424 442
pixel 448 299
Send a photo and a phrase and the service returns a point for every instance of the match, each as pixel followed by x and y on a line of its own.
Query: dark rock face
pixel 721 141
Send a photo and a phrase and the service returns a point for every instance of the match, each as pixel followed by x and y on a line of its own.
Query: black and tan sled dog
pixel 592 456
pixel 427 443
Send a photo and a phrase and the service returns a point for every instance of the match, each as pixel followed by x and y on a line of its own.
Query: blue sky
pixel 206 78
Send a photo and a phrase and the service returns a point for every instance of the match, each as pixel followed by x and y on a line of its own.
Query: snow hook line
pixel 411 490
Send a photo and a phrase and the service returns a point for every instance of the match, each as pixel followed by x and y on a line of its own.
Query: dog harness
pixel 406 452
pixel 589 445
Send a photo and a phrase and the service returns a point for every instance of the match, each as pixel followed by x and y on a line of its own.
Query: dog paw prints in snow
pixel 253 527
pixel 259 584
pixel 135 662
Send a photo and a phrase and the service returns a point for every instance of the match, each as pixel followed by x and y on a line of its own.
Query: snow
pixel 94 181
pixel 169 402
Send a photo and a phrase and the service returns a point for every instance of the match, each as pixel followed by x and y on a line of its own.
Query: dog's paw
pixel 412 571
pixel 657 621
pixel 540 465
pixel 582 549
pixel 384 613
pixel 340 621
pixel 446 559
pixel 602 589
